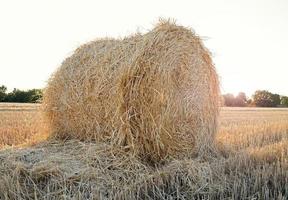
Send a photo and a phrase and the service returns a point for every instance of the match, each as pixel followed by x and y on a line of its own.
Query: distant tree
pixel 264 98
pixel 284 101
pixel 240 100
pixel 276 99
pixel 250 102
pixel 16 96
pixel 228 99
pixel 3 90
pixel 35 95
pixel 20 96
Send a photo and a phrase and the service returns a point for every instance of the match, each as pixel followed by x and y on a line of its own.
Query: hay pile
pixel 79 170
pixel 154 94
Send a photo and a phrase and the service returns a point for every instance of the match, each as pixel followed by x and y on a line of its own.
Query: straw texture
pixel 78 170
pixel 156 94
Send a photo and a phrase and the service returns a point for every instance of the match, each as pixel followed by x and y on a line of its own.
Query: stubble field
pixel 253 143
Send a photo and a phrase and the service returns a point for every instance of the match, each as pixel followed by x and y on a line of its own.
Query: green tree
pixel 20 96
pixel 284 101
pixel 264 98
pixel 35 95
pixel 276 99
pixel 17 96
pixel 3 90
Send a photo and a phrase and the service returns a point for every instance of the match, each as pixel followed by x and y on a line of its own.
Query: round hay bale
pixel 155 94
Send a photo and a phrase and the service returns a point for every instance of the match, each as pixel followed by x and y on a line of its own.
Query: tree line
pixel 20 96
pixel 260 98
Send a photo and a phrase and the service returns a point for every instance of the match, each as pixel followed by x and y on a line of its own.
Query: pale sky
pixel 248 38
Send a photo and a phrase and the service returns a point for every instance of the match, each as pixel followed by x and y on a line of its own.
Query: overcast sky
pixel 248 38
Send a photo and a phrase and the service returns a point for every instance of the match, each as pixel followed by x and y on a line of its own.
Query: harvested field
pixel 253 163
pixel 20 123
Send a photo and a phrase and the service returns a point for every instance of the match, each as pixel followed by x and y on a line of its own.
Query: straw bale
pixel 155 94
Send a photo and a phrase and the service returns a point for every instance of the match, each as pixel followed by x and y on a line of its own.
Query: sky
pixel 248 38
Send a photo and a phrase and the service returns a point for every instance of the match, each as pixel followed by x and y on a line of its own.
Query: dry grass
pixel 20 123
pixel 155 94
pixel 253 164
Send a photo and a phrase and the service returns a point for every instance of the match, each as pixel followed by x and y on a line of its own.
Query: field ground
pixel 253 143
pixel 19 123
